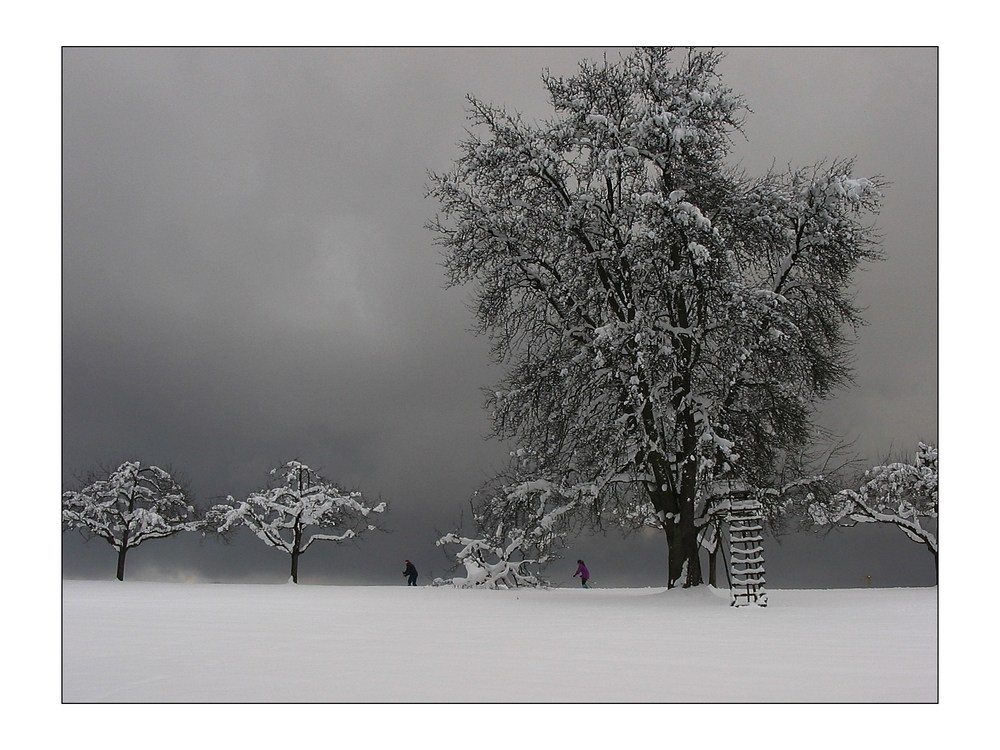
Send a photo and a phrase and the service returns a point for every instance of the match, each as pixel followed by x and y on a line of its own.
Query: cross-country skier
pixel 581 570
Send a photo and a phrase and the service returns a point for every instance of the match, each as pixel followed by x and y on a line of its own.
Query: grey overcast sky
pixel 246 279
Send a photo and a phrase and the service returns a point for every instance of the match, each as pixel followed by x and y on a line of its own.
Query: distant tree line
pixel 135 503
pixel 521 524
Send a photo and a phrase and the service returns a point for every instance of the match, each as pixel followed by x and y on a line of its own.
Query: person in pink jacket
pixel 581 570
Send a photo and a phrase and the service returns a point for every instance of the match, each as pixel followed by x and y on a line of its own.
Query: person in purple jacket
pixel 581 570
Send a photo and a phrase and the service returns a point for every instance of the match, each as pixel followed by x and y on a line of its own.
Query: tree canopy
pixel 133 504
pixel 301 508
pixel 667 322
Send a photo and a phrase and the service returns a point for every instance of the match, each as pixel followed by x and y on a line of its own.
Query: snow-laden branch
pixel 901 494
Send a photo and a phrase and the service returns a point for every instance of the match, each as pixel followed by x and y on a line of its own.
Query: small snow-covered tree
pixel 902 494
pixel 133 504
pixel 521 524
pixel 300 509
pixel 666 321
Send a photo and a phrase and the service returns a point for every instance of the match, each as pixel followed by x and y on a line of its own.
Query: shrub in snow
pixel 133 504
pixel 300 508
pixel 520 526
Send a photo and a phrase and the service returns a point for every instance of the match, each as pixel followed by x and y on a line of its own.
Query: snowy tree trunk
pixel 123 545
pixel 683 558
pixel 122 549
pixel 679 523
pixel 296 546
pixel 669 532
pixel 683 555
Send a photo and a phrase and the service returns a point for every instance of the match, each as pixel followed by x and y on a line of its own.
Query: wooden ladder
pixel 746 552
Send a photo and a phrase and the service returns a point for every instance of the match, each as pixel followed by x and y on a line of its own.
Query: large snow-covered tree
pixel 133 504
pixel 898 493
pixel 667 321
pixel 300 508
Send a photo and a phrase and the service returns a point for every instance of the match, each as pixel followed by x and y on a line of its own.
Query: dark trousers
pixel 411 580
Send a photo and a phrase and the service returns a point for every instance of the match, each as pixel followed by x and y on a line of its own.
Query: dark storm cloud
pixel 246 276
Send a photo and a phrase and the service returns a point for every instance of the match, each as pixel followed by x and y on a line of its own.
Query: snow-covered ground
pixel 234 643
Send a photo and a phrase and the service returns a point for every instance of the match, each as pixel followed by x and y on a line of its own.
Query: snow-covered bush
pixel 133 504
pixel 297 511
pixel 521 526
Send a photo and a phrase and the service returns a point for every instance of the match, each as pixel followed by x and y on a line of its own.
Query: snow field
pixel 138 642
